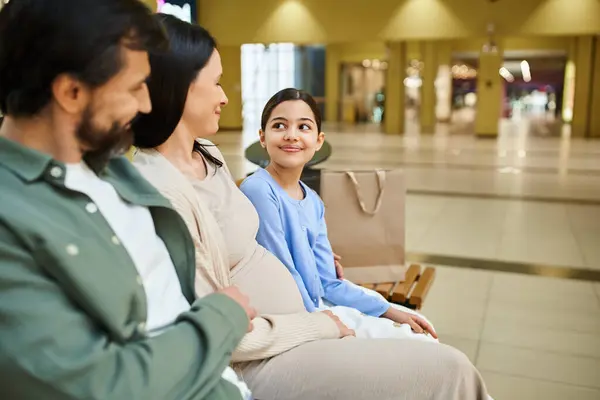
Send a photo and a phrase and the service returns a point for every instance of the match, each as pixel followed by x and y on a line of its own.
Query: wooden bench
pixel 412 291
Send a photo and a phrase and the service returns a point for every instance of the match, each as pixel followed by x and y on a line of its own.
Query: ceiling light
pixel 505 73
pixel 526 71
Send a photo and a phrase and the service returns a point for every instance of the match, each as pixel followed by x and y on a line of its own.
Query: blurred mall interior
pixel 492 109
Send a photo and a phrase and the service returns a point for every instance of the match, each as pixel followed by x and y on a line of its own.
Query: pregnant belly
pixel 268 283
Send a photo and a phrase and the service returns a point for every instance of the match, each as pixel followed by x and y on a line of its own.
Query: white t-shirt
pixel 133 227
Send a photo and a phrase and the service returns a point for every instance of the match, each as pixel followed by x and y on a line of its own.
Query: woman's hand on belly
pixel 243 301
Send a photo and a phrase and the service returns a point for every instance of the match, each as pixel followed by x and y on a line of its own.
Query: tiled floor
pixel 532 232
pixel 531 337
pixel 519 199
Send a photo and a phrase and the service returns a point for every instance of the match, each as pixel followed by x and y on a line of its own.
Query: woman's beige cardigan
pixel 272 334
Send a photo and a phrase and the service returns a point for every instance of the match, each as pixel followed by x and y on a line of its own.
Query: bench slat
pixel 369 285
pixel 385 289
pixel 402 289
pixel 418 295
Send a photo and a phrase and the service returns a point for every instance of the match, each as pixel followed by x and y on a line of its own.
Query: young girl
pixel 292 224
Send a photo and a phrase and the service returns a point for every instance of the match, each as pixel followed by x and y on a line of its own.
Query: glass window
pixel 265 71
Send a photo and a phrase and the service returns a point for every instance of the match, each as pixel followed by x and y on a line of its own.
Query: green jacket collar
pixel 27 163
pixel 31 165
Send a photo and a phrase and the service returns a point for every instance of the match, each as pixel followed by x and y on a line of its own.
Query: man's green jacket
pixel 72 307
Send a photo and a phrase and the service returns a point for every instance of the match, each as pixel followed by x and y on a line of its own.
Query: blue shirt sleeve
pixel 271 234
pixel 337 291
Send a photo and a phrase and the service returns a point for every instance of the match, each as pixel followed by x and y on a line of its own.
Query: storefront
pixel 182 9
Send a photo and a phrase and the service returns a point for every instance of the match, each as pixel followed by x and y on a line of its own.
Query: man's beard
pixel 101 145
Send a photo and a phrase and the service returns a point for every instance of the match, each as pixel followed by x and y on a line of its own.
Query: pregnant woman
pixel 325 361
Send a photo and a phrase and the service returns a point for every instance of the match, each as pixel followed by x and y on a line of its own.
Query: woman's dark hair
pixel 287 95
pixel 190 48
pixel 41 39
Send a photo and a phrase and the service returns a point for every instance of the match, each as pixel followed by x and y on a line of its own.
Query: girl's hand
pixel 418 324
pixel 339 270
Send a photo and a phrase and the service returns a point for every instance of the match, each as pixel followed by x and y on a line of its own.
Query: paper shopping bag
pixel 364 211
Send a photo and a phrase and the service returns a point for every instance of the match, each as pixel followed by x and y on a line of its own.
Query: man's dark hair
pixel 42 39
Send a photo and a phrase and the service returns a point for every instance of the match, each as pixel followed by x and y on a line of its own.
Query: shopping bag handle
pixel 381 185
